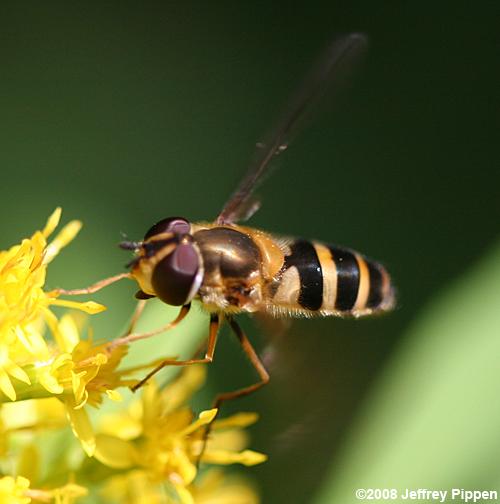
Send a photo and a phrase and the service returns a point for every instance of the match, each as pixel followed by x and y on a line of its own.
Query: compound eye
pixel 176 225
pixel 176 278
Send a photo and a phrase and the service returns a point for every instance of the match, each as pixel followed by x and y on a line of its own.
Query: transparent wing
pixel 324 75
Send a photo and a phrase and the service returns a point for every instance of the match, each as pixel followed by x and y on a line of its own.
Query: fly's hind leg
pixel 244 391
pixel 254 360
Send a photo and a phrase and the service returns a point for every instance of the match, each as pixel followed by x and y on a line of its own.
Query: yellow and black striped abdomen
pixel 317 278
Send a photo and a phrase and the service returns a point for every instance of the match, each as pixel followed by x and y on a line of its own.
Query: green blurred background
pixel 127 112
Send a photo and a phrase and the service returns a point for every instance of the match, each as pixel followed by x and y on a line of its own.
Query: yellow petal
pixel 224 457
pixel 52 222
pixel 66 235
pixel 6 386
pixel 12 491
pixel 82 428
pixel 216 487
pixel 150 404
pixel 22 482
pixel 114 452
pixel 208 415
pixel 229 439
pixel 48 373
pixel 80 392
pixel 83 401
pixel 120 425
pixel 114 395
pixel 29 462
pixel 238 420
pixel 17 372
pixel 69 335
pixel 62 360
pixel 90 307
pixel 68 493
pixel 184 494
pixel 33 342
pixel 204 418
pixel 135 487
pixel 53 324
pixel 49 382
pixel 180 390
pixel 98 360
pixel 185 470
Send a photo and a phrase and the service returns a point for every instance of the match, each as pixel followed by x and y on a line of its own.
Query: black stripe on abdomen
pixel 347 278
pixel 304 257
pixel 375 296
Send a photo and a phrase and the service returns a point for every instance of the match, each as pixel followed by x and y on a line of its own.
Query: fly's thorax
pixel 228 253
pixel 272 250
pixel 236 264
pixel 253 247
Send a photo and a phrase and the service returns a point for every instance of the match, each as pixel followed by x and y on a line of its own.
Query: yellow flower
pixel 29 417
pixel 77 373
pixel 25 306
pixel 81 373
pixel 162 436
pixel 86 370
pixel 66 494
pixel 134 487
pixel 13 490
pixel 214 487
pixel 18 491
pixel 151 450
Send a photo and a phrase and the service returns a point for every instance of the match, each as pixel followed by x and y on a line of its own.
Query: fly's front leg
pixel 139 308
pixel 131 337
pixel 94 287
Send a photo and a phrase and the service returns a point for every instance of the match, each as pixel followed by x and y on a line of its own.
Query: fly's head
pixel 168 263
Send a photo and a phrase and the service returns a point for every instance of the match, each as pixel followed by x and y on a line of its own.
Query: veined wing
pixel 342 52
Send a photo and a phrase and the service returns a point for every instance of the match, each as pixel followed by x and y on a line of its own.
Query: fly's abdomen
pixel 331 280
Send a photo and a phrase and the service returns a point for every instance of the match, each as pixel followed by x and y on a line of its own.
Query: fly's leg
pixel 244 391
pixel 209 354
pixel 94 287
pixel 141 304
pixel 131 337
pixel 254 360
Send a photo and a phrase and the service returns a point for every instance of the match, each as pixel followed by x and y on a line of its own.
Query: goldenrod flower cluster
pixel 148 451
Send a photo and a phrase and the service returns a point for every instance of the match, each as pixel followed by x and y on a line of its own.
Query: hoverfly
pixel 234 269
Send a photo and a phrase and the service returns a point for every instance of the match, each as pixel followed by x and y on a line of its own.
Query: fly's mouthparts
pixel 130 245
